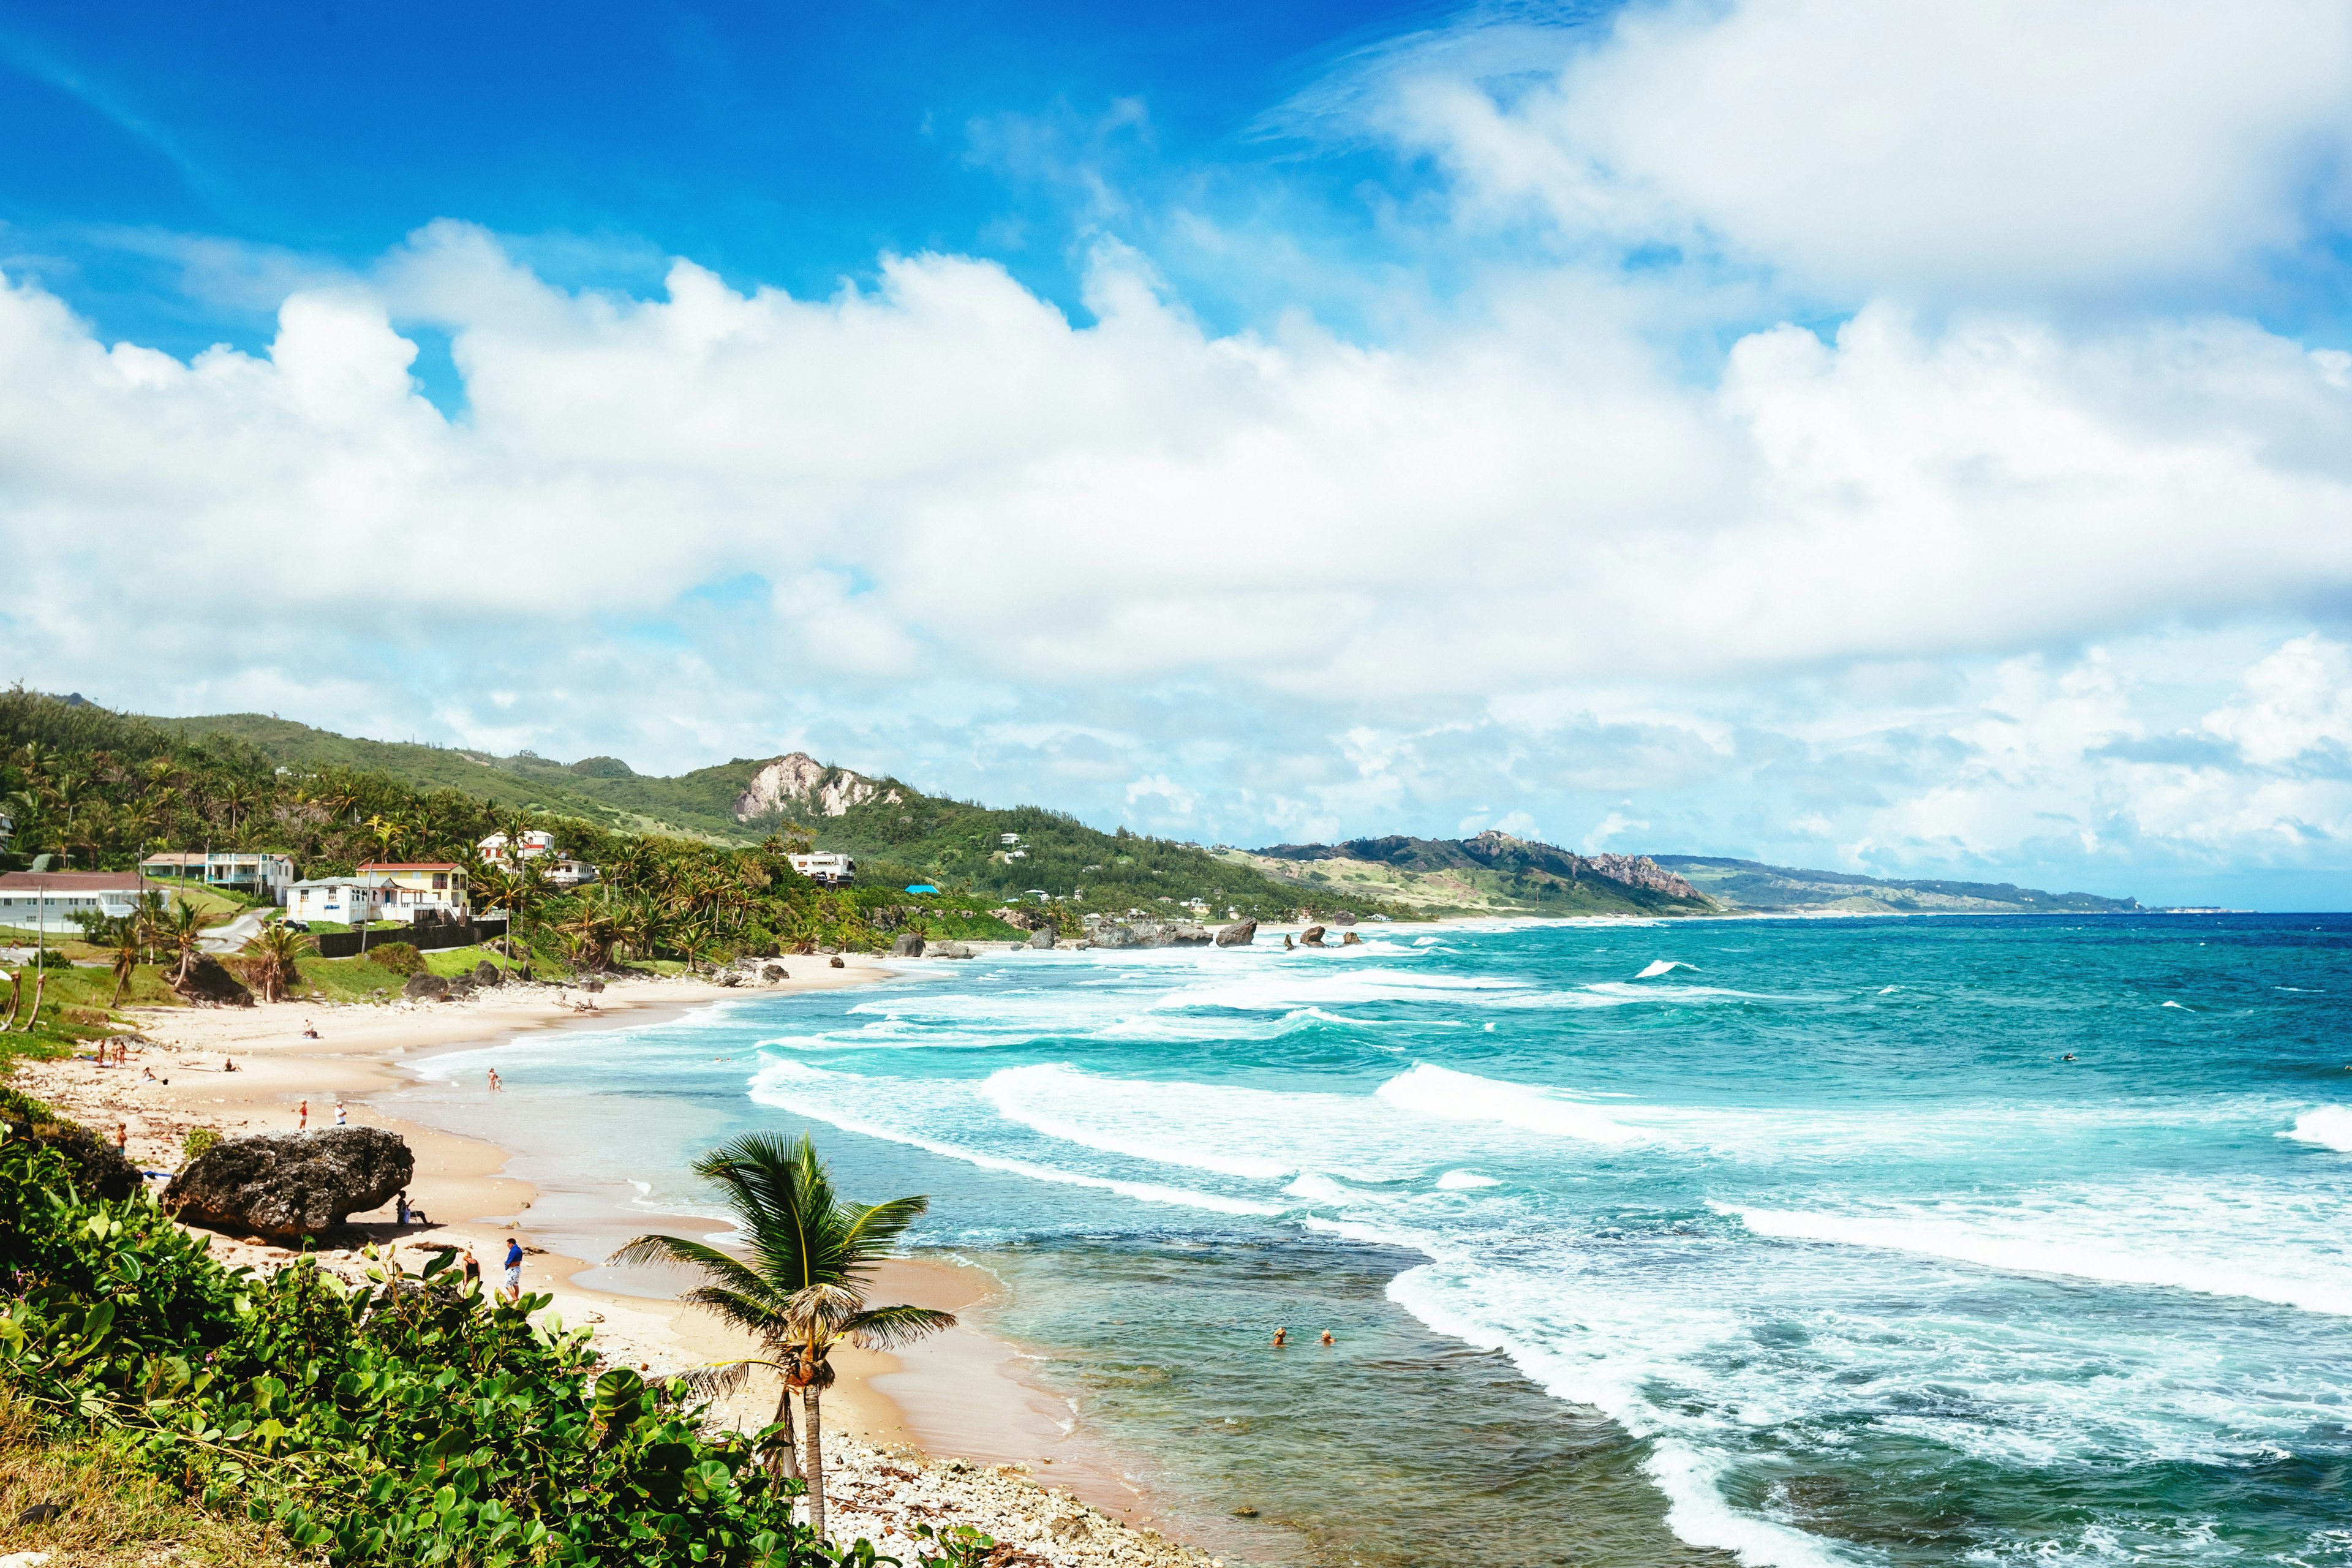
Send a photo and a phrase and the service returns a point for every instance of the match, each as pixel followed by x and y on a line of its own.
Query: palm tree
pixel 275 949
pixel 183 931
pixel 592 928
pixel 128 940
pixel 802 1292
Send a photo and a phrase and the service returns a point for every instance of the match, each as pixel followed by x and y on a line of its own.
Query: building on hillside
pixel 261 876
pixel 560 869
pixel 1008 839
pixel 424 891
pixel 826 870
pixel 48 900
pixel 348 900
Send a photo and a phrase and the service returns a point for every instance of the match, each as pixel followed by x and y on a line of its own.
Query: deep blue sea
pixel 1934 1240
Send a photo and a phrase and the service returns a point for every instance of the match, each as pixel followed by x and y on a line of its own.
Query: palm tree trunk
pixel 816 1477
pixel 40 979
pixel 786 1459
pixel 121 978
pixel 15 992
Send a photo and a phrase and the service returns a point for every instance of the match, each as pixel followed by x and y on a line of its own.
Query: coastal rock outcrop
pixel 1044 936
pixel 488 973
pixel 288 1185
pixel 1241 933
pixel 799 780
pixel 1311 937
pixel 424 987
pixel 100 1169
pixel 209 983
pixel 1190 935
pixel 908 945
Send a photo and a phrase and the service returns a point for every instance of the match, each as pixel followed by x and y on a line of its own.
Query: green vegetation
pixel 814 1254
pixel 408 1421
pixel 900 834
pixel 1493 874
pixel 1752 884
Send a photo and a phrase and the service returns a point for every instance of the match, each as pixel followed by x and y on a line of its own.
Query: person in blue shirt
pixel 514 1271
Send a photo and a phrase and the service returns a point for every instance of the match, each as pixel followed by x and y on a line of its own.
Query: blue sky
pixel 1873 437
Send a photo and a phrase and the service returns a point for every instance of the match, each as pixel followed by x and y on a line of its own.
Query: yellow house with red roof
pixel 430 888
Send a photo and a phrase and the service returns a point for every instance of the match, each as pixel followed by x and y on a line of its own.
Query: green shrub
pixel 400 957
pixel 405 1421
pixel 198 1139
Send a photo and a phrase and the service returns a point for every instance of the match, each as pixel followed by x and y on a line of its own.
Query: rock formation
pixel 424 987
pixel 288 1185
pixel 1311 937
pixel 1044 936
pixel 209 982
pixel 908 945
pixel 1241 933
pixel 100 1169
pixel 800 781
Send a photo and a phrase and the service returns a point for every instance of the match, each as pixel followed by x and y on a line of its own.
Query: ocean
pixel 1928 1240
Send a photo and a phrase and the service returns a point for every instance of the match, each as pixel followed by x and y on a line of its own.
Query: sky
pixel 1906 439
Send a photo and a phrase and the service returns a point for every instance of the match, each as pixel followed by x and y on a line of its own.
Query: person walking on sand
pixel 514 1269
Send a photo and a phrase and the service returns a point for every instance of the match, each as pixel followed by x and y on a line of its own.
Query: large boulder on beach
pixel 424 987
pixel 1190 935
pixel 908 945
pixel 208 983
pixel 1042 937
pixel 1241 933
pixel 100 1169
pixel 1344 918
pixel 488 973
pixel 288 1185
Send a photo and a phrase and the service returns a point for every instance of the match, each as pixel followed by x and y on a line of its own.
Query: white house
pixel 348 900
pixel 48 901
pixel 561 869
pixel 826 870
pixel 264 875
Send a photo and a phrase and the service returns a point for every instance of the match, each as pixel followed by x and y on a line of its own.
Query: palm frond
pixel 885 1328
pixel 677 1252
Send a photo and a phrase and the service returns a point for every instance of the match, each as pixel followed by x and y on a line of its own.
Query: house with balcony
pixel 260 876
pixel 561 869
pixel 826 870
pixel 423 890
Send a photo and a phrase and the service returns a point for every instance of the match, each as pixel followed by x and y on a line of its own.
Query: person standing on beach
pixel 514 1271
pixel 494 1084
pixel 122 1135
pixel 342 1118
pixel 303 1117
pixel 473 1269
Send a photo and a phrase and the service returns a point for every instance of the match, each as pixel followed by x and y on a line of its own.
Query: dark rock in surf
pixel 1241 933
pixel 908 945
pixel 1311 937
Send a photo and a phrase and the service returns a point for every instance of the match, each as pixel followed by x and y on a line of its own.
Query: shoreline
pixel 944 1428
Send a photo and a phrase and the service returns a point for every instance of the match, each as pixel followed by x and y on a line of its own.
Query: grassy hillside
pixel 899 834
pixel 1754 886
pixel 1493 874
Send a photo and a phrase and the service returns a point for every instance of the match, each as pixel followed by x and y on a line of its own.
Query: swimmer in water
pixel 1327 1339
pixel 1281 1338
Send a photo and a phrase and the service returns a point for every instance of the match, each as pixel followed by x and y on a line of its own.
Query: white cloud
pixel 1863 146
pixel 2296 701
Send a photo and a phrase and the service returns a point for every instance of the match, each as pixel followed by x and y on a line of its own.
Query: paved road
pixel 238 932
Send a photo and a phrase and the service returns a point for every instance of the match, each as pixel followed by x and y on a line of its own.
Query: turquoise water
pixel 1799 1240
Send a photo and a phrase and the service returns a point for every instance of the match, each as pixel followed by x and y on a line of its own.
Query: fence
pixel 346 943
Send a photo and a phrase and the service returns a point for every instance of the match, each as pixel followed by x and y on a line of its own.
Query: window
pixel 440 880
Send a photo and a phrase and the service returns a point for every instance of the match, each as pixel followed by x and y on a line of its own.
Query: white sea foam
pixel 1662 966
pixel 1131 1117
pixel 1434 1091
pixel 2081 1239
pixel 809 1092
pixel 2329 1126
pixel 1463 1181
pixel 1283 989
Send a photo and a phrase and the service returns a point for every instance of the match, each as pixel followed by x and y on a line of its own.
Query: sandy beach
pixel 942 1432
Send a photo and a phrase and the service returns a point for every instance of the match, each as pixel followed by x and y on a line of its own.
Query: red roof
pixel 412 865
pixel 74 883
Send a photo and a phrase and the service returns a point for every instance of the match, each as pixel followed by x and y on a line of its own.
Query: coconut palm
pixel 591 929
pixel 802 1289
pixel 182 933
pixel 275 950
pixel 126 941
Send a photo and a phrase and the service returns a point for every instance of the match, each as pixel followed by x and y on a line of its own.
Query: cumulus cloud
pixel 1961 150
pixel 1980 584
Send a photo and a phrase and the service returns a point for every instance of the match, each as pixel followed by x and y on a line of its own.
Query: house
pixel 423 890
pixel 1008 839
pixel 560 869
pixel 48 901
pixel 262 876
pixel 826 870
pixel 348 900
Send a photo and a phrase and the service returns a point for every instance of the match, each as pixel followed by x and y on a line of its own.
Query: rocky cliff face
pixel 1641 871
pixel 1493 847
pixel 798 782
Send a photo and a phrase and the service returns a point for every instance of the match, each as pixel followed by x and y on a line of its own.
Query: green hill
pixel 1751 885
pixel 1492 874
